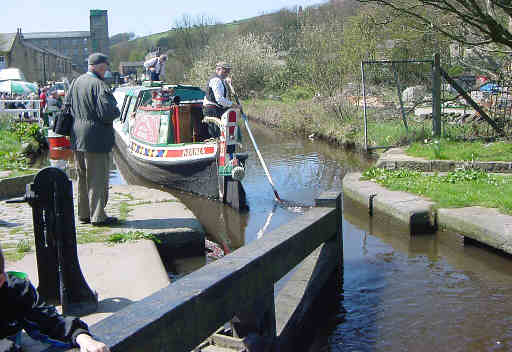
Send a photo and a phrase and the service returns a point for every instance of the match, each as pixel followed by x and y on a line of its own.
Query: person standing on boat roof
pixel 215 102
pixel 94 109
pixel 156 67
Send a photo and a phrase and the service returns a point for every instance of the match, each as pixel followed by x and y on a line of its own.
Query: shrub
pixel 252 59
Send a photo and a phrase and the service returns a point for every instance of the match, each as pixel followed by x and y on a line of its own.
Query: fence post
pixel 436 96
pixel 364 108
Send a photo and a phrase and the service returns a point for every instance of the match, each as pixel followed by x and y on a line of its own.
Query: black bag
pixel 63 121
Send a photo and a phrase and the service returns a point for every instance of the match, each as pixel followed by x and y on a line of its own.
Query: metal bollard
pixel 60 276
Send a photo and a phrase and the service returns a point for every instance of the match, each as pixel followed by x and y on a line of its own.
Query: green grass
pixel 24 246
pixel 131 236
pixel 461 188
pixel 124 210
pixel 342 123
pixel 95 235
pixel 20 249
pixel 10 148
pixel 451 150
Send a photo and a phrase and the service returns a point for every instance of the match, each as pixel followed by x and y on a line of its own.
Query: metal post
pixel 60 276
pixel 364 109
pixel 436 96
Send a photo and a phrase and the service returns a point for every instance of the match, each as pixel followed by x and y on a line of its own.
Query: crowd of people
pixel 19 101
pixel 46 100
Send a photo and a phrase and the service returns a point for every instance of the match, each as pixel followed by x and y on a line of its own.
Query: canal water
pixel 397 292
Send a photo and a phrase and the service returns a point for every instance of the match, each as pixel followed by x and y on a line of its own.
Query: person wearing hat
pixel 23 308
pixel 94 109
pixel 215 102
pixel 156 67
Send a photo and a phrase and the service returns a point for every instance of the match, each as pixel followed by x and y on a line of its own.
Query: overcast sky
pixel 129 15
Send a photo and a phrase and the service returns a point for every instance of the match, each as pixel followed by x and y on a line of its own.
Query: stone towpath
pixel 142 210
pixel 120 273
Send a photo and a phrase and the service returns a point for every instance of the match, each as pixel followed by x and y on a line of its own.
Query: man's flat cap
pixel 223 64
pixel 97 58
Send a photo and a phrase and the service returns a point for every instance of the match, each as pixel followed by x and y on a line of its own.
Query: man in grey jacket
pixel 94 109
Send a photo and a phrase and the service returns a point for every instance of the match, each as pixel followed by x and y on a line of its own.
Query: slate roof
pixel 6 41
pixel 56 35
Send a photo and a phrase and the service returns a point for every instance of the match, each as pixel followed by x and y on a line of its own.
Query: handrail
pixel 182 315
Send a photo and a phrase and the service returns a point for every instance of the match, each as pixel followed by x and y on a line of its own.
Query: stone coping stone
pixel 397 159
pixel 414 211
pixel 161 215
pixel 484 225
pixel 15 186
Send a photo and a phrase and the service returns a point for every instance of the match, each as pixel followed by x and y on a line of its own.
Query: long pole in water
pixel 246 121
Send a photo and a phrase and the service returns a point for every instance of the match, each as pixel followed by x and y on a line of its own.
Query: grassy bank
pixel 470 151
pixel 461 188
pixel 18 143
pixel 334 119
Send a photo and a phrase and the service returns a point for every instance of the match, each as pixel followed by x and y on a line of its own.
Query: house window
pixel 2 59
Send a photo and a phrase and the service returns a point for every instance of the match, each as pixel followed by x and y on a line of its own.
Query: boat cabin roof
pixel 129 98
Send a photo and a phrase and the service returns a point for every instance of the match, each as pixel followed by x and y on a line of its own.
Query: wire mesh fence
pixel 398 104
pixel 392 92
pixel 461 121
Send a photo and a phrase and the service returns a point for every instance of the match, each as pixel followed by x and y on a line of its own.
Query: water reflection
pixel 421 293
pixel 300 169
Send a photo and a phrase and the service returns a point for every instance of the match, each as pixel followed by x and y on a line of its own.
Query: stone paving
pixel 16 223
pixel 141 210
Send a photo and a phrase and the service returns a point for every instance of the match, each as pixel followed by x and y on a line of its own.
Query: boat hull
pixel 198 176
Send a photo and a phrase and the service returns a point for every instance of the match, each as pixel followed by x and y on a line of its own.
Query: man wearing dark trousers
pixel 94 109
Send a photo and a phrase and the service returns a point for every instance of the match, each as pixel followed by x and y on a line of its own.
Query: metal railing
pixel 35 109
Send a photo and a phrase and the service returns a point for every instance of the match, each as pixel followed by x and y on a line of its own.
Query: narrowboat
pixel 164 137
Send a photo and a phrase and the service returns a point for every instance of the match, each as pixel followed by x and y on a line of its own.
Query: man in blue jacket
pixel 94 109
pixel 22 308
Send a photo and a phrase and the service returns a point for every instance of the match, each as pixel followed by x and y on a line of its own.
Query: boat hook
pixel 246 121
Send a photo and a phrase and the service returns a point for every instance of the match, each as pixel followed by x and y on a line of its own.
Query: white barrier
pixel 36 104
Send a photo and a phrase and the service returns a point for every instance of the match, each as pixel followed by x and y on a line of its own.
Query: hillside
pixel 190 34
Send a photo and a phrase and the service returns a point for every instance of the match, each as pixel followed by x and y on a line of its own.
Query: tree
pixel 470 22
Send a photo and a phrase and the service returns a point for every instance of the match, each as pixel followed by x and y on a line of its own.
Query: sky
pixel 141 17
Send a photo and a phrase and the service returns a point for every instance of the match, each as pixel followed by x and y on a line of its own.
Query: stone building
pixel 37 64
pixel 77 45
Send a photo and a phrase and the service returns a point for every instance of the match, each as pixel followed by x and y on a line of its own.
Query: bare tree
pixel 470 22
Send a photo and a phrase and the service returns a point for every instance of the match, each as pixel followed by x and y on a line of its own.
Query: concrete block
pixel 412 210
pixel 484 225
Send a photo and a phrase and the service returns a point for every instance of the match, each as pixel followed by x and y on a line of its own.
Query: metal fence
pixel 392 90
pixel 32 110
pixel 413 100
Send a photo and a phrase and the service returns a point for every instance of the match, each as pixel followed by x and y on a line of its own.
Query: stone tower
pixel 99 41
